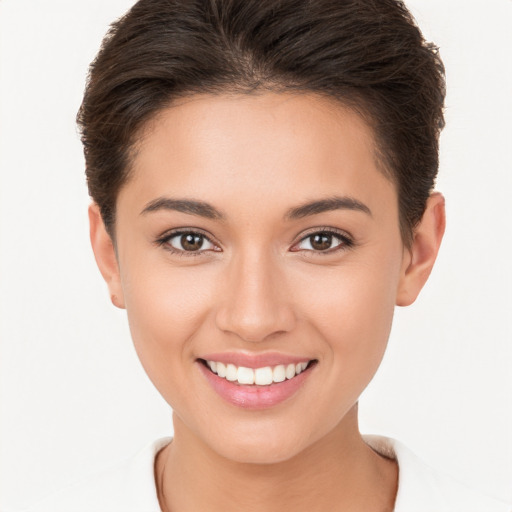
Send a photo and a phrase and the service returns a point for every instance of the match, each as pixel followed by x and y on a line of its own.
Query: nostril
pixel 256 326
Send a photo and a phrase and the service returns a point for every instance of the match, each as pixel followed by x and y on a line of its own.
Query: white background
pixel 73 396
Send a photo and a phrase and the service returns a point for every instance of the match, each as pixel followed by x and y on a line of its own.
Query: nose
pixel 255 303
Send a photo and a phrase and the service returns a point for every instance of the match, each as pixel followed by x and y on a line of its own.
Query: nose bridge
pixel 255 304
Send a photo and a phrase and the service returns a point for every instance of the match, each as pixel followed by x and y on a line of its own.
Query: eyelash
pixel 164 241
pixel 345 242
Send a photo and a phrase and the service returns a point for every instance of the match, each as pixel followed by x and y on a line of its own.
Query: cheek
pixel 165 307
pixel 352 312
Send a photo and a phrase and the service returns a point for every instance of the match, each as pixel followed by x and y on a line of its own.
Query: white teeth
pixel 260 376
pixel 221 370
pixel 279 373
pixel 263 376
pixel 290 371
pixel 231 372
pixel 245 375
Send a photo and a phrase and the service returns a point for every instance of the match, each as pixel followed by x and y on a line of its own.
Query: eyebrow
pixel 326 205
pixel 190 206
pixel 203 209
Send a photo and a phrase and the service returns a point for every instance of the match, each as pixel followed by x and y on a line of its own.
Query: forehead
pixel 271 145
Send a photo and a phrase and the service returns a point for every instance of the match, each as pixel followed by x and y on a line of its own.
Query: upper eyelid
pixel 166 235
pixel 299 238
pixel 347 241
pixel 165 243
pixel 330 230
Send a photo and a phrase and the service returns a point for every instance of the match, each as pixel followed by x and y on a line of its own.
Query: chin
pixel 250 452
pixel 259 444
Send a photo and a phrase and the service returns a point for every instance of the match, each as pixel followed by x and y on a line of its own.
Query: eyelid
pixel 346 239
pixel 164 238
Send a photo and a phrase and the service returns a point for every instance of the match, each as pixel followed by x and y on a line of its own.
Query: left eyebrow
pixel 326 205
pixel 189 206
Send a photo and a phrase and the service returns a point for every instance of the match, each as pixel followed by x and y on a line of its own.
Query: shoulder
pixel 126 487
pixel 424 489
pixel 130 486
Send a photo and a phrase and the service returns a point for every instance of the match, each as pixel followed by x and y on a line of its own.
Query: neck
pixel 338 473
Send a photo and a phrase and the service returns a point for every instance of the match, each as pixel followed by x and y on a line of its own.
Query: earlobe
pixel 420 259
pixel 105 255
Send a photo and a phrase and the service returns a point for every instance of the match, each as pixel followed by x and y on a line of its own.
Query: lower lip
pixel 254 397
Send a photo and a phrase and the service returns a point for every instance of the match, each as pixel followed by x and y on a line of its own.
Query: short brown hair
pixel 368 54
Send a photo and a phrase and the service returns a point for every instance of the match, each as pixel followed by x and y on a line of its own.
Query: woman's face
pixel 256 231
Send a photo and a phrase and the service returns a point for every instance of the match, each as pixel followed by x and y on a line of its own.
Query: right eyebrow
pixel 327 204
pixel 191 206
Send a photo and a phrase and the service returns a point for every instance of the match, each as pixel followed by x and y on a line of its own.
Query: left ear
pixel 420 257
pixel 105 254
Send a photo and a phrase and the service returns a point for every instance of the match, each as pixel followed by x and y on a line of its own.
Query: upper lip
pixel 253 360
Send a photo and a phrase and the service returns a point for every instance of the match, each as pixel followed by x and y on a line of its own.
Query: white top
pixel 130 486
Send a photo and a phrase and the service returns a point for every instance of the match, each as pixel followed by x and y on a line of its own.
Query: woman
pixel 262 179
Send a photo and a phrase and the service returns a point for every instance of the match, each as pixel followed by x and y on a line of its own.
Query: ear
pixel 419 259
pixel 105 254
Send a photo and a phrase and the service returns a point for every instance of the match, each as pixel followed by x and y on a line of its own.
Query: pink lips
pixel 253 396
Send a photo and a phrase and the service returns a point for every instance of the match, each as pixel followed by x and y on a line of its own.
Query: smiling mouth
pixel 264 376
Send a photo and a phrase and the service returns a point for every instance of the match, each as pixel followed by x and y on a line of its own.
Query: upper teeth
pixel 259 376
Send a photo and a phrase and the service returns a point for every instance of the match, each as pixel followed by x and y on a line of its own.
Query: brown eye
pixel 190 242
pixel 323 241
